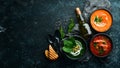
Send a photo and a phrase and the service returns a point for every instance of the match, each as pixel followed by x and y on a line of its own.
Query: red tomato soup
pixel 100 45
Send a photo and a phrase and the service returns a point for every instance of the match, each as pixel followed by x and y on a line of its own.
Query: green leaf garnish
pixel 69 44
pixel 98 19
pixel 62 32
pixel 71 25
pixel 67 50
pixel 95 44
pixel 101 51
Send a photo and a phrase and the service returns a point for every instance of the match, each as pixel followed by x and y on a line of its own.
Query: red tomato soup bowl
pixel 101 45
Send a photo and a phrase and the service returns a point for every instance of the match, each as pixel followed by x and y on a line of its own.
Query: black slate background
pixel 27 24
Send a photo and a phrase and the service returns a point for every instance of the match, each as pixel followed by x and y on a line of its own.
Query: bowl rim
pixel 106 11
pixel 86 48
pixel 106 35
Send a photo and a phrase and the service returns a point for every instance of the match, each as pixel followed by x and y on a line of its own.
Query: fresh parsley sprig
pixel 98 19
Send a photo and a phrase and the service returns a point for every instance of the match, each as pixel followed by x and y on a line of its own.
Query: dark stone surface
pixel 27 23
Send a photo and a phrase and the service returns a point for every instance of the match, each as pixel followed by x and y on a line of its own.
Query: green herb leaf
pixel 101 51
pixel 62 32
pixel 98 19
pixel 95 44
pixel 71 25
pixel 67 50
pixel 68 44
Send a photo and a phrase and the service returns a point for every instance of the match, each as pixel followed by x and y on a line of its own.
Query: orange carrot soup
pixel 101 20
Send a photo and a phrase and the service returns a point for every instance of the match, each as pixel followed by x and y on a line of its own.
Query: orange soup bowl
pixel 101 20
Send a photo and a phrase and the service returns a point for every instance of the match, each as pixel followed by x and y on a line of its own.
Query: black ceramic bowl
pixel 79 57
pixel 101 45
pixel 105 15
